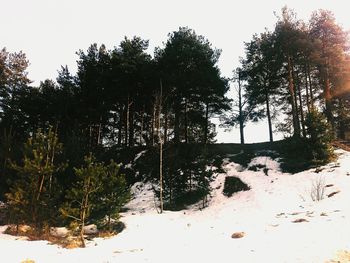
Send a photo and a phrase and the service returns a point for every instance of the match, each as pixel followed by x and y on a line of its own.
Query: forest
pixel 63 143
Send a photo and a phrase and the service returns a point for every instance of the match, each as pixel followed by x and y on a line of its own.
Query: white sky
pixel 51 31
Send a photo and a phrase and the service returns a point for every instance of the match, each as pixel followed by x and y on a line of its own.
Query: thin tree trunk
pixel 160 148
pixel 186 122
pixel 310 86
pixel 206 123
pixel 177 123
pixel 154 122
pixel 296 126
pixel 40 186
pixel 328 99
pixel 142 123
pixel 127 121
pixel 84 207
pixel 240 106
pixel 301 111
pixel 296 85
pixel 307 90
pixel 342 125
pixel 120 128
pixel 99 134
pixel 131 125
pixel 268 113
pixel 165 124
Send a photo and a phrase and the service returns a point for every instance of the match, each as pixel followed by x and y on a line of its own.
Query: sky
pixel 50 32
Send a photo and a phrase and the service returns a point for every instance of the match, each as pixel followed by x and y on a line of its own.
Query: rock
pixel 23 228
pixel 300 220
pixel 59 231
pixel 238 235
pixel 333 193
pixel 90 229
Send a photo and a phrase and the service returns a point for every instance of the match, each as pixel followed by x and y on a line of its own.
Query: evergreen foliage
pixel 99 191
pixel 234 184
pixel 319 136
pixel 186 176
pixel 34 193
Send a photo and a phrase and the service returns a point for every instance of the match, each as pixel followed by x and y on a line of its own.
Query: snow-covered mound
pixel 277 219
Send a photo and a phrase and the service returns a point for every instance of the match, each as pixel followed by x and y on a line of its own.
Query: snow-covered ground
pixel 265 214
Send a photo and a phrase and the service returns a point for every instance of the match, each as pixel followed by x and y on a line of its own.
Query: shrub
pixel 33 195
pixel 319 136
pixel 99 191
pixel 234 184
pixel 318 188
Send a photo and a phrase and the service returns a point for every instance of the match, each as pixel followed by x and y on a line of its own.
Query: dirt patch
pixel 238 235
pixel 300 220
pixel 333 193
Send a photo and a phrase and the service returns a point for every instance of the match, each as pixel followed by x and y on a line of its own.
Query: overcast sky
pixel 51 31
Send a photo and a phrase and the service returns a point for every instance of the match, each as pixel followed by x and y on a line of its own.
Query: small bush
pixel 234 184
pixel 318 188
pixel 320 136
pixel 243 158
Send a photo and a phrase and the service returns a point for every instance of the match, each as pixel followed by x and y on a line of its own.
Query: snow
pixel 265 213
pixel 130 165
pixel 139 155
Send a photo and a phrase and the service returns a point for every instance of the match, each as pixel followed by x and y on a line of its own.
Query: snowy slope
pixel 265 213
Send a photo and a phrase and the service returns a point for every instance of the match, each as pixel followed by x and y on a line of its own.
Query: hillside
pixel 278 219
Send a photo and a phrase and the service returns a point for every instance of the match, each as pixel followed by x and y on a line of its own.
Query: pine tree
pixel 33 194
pixel 319 136
pixel 98 192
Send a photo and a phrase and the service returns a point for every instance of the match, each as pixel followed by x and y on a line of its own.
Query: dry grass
pixel 342 256
pixel 68 242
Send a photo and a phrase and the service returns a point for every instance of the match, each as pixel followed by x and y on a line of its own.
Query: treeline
pixel 56 138
pixel 114 97
pixel 295 75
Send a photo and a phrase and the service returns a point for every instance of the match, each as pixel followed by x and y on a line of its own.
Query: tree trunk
pixel 301 111
pixel 120 128
pixel 165 124
pixel 310 86
pixel 206 123
pixel 99 134
pixel 127 121
pixel 296 127
pixel 131 125
pixel 177 123
pixel 160 148
pixel 240 106
pixel 268 113
pixel 142 123
pixel 153 131
pixel 328 99
pixel 84 206
pixel 186 122
pixel 342 125
pixel 307 90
